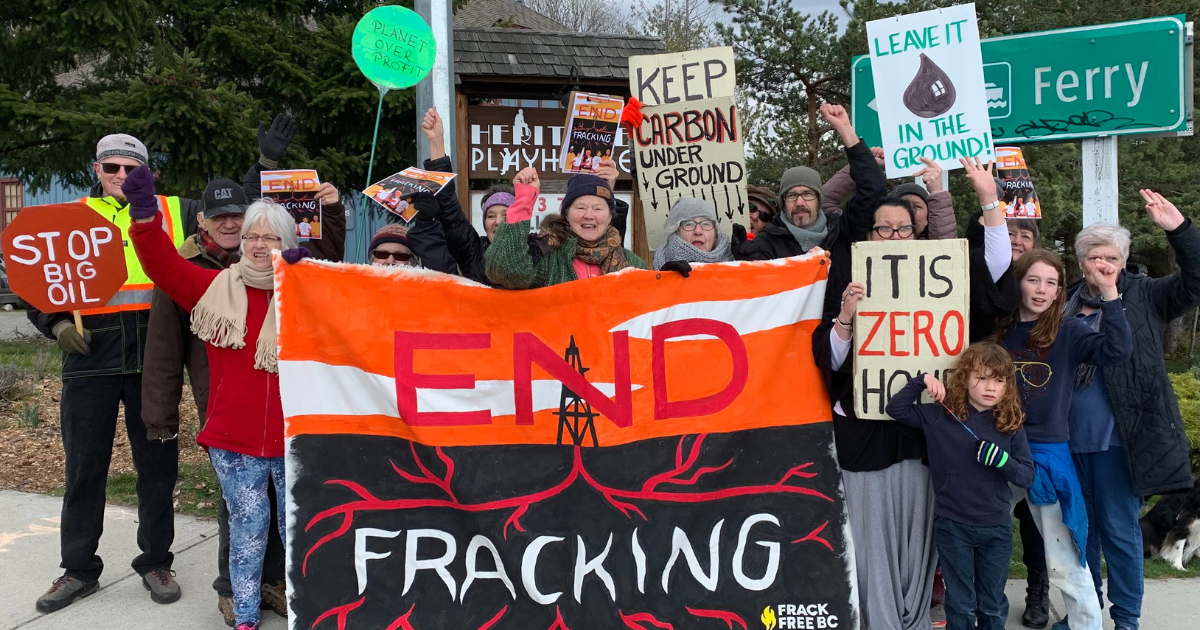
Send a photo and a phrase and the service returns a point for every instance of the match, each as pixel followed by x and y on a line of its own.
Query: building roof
pixel 489 13
pixel 514 52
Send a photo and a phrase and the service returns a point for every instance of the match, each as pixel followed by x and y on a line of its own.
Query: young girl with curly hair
pixel 976 449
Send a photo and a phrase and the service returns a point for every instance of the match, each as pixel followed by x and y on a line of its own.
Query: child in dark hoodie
pixel 976 449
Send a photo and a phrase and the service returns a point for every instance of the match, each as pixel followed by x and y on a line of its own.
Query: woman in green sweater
pixel 579 242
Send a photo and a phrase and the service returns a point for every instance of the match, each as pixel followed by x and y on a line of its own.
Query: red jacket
pixel 245 413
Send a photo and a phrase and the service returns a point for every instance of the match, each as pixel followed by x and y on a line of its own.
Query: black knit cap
pixel 584 184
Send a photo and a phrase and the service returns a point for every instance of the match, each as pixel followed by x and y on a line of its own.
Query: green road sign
pixel 1110 79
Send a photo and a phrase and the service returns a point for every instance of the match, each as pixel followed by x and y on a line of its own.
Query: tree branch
pixel 35 144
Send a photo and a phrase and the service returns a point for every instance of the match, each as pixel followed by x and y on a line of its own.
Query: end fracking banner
pixel 690 141
pixel 912 319
pixel 637 450
pixel 928 72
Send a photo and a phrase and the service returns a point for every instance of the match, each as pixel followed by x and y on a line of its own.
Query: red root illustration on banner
pixel 559 468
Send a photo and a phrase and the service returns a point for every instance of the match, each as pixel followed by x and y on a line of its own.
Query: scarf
pixel 214 251
pixel 808 238
pixel 1082 298
pixel 219 317
pixel 679 249
pixel 606 252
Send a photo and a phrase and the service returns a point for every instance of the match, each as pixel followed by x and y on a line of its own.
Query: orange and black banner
pixel 639 450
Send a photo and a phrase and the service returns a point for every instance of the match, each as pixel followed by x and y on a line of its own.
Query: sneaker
pixel 249 625
pixel 274 596
pixel 162 586
pixel 65 590
pixel 225 606
pixel 937 614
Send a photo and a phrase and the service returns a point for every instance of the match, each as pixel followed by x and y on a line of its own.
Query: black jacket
pixel 1139 391
pixel 118 339
pixel 989 300
pixel 466 246
pixel 776 241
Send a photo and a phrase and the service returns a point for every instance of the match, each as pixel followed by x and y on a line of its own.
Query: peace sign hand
pixel 982 179
pixel 1164 213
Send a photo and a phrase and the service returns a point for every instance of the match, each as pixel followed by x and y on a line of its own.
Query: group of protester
pixel 1059 405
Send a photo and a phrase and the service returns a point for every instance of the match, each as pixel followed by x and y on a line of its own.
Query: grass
pixel 34 355
pixel 196 491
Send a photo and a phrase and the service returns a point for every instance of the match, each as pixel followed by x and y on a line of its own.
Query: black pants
pixel 274 567
pixel 89 423
pixel 1033 549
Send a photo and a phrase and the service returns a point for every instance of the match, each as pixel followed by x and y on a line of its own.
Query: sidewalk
pixel 29 563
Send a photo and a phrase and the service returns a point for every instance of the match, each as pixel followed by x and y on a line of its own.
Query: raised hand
pixel 608 172
pixel 328 194
pixel 931 176
pixel 837 118
pixel 1164 213
pixel 880 157
pixel 431 125
pixel 982 179
pixel 528 176
pixel 273 142
pixel 1103 275
pixel 936 389
pixel 138 189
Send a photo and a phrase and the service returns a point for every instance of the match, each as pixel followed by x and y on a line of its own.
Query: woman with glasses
pixel 692 226
pixel 1049 350
pixel 889 495
pixel 580 242
pixel 390 247
pixel 1127 436
pixel 233 310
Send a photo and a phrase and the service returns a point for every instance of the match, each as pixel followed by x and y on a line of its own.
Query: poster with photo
pixel 1020 199
pixel 393 191
pixel 296 190
pixel 591 136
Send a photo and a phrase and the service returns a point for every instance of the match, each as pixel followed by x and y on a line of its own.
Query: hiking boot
pixel 162 586
pixel 274 596
pixel 1037 602
pixel 63 591
pixel 225 606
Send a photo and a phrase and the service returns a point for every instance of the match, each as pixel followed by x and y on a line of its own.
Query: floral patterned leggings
pixel 244 480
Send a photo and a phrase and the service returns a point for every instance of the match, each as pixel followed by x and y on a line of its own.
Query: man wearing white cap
pixel 102 368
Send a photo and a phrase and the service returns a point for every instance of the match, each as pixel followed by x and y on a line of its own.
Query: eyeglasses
pixel 269 239
pixel 704 224
pixel 886 232
pixel 113 169
pixel 381 255
pixel 807 195
pixel 1036 373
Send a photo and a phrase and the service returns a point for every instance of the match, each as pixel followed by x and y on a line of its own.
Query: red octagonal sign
pixel 63 257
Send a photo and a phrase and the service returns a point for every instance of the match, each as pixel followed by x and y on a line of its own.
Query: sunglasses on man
pixel 381 255
pixel 113 169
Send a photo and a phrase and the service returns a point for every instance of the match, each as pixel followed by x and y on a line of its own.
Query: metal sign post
pixel 437 90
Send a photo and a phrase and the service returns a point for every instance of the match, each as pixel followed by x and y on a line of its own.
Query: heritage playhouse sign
pixel 1108 79
pixel 504 140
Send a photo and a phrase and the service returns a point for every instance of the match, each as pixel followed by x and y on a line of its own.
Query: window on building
pixel 12 198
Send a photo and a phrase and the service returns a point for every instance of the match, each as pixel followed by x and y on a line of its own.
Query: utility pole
pixel 437 89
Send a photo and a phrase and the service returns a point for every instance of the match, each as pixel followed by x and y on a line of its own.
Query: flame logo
pixel 768 618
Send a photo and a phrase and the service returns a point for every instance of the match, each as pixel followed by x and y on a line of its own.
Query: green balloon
pixel 393 47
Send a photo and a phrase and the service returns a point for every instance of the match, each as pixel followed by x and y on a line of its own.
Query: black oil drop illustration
pixel 931 93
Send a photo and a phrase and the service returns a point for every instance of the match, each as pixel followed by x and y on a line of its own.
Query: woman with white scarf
pixel 233 310
pixel 692 226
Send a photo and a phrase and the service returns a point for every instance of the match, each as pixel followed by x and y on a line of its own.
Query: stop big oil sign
pixel 63 257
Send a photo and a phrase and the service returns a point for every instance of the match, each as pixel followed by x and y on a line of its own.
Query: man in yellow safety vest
pixel 102 368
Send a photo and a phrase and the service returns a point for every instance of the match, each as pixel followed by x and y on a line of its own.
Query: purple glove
pixel 139 192
pixel 295 255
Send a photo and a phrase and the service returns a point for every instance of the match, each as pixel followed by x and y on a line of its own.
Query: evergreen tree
pixel 192 80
